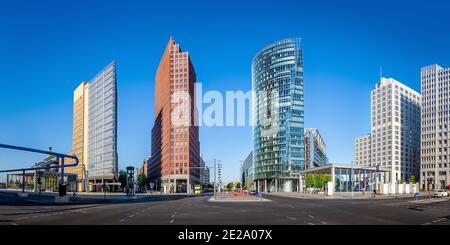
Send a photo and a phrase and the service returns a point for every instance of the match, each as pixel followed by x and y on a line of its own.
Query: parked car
pixel 252 192
pixel 441 193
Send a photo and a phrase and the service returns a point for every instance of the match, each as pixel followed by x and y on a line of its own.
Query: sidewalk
pixel 224 197
pixel 86 198
pixel 341 195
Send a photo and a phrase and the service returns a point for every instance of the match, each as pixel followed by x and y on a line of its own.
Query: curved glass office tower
pixel 278 134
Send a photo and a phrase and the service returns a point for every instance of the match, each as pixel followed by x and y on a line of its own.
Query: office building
pixel 204 174
pixel 362 151
pixel 247 171
pixel 175 161
pixel 435 155
pixel 395 134
pixel 315 149
pixel 278 140
pixel 143 168
pixel 80 136
pixel 102 129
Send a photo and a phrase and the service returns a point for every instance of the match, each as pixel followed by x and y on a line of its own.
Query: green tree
pixel 122 179
pixel 309 180
pixel 230 186
pixel 402 180
pixel 238 185
pixel 142 181
pixel 412 179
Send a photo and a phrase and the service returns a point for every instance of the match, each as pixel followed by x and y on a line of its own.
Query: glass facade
pixel 102 136
pixel 278 135
pixel 359 179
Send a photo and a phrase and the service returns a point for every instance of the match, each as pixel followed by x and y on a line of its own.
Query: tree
pixel 412 179
pixel 238 185
pixel 402 180
pixel 230 186
pixel 309 180
pixel 142 181
pixel 122 179
pixel 317 180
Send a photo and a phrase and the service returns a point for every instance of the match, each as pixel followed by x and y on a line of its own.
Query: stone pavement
pixel 235 197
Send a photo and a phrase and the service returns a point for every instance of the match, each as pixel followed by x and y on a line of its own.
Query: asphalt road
pixel 185 210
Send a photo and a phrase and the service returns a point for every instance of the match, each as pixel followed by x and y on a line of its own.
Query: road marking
pixel 312 217
pixel 323 222
pixel 310 224
pixel 427 224
pixel 171 221
pixel 292 218
pixel 122 220
pixel 131 216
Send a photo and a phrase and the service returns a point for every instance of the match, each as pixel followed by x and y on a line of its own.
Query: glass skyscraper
pixel 278 134
pixel 102 127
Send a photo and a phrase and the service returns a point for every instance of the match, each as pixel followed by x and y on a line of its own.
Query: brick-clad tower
pixel 175 138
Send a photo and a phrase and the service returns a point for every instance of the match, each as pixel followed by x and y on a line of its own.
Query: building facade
pixel 395 134
pixel 435 157
pixel 247 171
pixel 315 149
pixel 143 169
pixel 102 128
pixel 175 161
pixel 278 140
pixel 204 174
pixel 80 135
pixel 362 151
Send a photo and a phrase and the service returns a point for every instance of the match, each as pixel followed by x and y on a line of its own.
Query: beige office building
pixel 395 131
pixel 362 151
pixel 80 134
pixel 435 157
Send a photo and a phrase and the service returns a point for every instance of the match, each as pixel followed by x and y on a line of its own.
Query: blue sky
pixel 48 47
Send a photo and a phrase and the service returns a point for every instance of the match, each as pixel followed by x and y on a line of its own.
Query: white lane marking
pixel 13 223
pixel 131 216
pixel 122 220
pixel 310 224
pixel 323 222
pixel 312 217
pixel 173 215
pixel 427 224
pixel 292 218
pixel 171 221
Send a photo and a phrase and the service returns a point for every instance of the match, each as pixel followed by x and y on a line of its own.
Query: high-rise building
pixel 175 161
pixel 80 134
pixel 204 173
pixel 395 131
pixel 247 171
pixel 102 128
pixel 315 149
pixel 143 168
pixel 278 139
pixel 435 155
pixel 362 151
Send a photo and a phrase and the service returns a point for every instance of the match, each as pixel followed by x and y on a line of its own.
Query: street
pixel 197 210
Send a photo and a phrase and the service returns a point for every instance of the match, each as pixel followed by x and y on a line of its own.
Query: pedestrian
pixel 374 192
